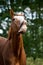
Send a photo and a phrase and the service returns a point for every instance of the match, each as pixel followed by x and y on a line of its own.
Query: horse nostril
pixel 25 23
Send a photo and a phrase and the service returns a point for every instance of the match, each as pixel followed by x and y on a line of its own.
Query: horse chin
pixel 21 32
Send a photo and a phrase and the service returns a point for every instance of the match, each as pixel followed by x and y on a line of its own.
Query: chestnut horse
pixel 12 49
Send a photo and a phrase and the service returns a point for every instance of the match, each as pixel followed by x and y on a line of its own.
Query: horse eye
pixel 13 19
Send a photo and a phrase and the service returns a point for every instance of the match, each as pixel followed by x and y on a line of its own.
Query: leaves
pixel 33 10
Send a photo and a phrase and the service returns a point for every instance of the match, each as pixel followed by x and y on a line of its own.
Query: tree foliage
pixel 33 10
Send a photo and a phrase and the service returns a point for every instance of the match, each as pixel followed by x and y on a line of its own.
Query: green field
pixel 38 61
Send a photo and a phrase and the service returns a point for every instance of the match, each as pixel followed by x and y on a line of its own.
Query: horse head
pixel 19 23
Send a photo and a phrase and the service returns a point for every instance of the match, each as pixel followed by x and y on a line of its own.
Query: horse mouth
pixel 21 32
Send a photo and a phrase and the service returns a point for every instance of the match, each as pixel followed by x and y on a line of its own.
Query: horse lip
pixel 21 32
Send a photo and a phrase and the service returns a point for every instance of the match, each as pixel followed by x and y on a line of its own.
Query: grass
pixel 38 61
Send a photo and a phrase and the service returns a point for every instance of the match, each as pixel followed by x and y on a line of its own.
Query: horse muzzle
pixel 23 28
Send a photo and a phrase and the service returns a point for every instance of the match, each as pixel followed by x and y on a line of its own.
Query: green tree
pixel 33 10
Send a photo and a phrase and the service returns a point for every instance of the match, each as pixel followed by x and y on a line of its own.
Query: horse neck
pixel 16 41
pixel 17 44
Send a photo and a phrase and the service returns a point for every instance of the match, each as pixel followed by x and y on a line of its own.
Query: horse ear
pixel 11 13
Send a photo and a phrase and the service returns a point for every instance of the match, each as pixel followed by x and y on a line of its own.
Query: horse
pixel 12 48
